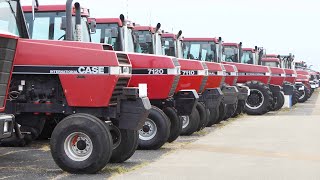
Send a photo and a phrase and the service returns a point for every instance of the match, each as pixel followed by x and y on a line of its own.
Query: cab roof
pixel 109 21
pixel 249 49
pixel 272 55
pixel 201 39
pixel 146 28
pixel 169 35
pixel 231 44
pixel 270 60
pixel 55 8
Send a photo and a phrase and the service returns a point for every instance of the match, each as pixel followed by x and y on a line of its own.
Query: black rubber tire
pixel 163 130
pixel 176 123
pixel 99 135
pixel 222 112
pixel 303 95
pixel 240 108
pixel 231 110
pixel 203 116
pixel 214 116
pixel 267 96
pixel 295 96
pixel 208 117
pixel 280 101
pixel 194 120
pixel 128 145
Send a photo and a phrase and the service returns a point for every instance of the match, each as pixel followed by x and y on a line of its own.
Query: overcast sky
pixel 281 26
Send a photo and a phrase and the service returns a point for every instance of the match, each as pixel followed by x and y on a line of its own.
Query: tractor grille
pixel 118 90
pixel 203 84
pixel 123 59
pixel 176 79
pixel 7 52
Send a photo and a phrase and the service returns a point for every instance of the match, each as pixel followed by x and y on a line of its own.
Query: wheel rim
pixel 148 131
pixel 255 100
pixel 78 146
pixel 185 121
pixel 302 95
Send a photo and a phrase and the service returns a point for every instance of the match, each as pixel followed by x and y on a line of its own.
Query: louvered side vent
pixel 123 59
pixel 7 52
pixel 176 79
pixel 122 83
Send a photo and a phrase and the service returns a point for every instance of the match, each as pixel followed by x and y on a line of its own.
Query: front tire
pixel 203 116
pixel 259 100
pixel 214 116
pixel 176 123
pixel 190 123
pixel 81 144
pixel 129 141
pixel 156 130
pixel 303 95
pixel 280 101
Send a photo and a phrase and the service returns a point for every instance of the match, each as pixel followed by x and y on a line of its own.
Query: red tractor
pixel 280 77
pixel 81 86
pixel 151 40
pixel 220 76
pixel 255 77
pixel 160 73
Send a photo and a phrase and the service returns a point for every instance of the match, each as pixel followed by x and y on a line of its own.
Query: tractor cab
pixel 232 52
pixel 49 23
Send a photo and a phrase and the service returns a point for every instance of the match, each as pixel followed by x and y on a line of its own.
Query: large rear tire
pixel 295 96
pixel 190 123
pixel 156 130
pixel 81 144
pixel 176 123
pixel 259 100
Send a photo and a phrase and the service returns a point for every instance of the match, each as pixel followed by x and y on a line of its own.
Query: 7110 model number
pixel 188 73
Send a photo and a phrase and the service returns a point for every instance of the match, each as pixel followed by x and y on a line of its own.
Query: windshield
pixel 47 26
pixel 204 51
pixel 8 20
pixel 144 42
pixel 247 57
pixel 169 46
pixel 270 64
pixel 108 34
pixel 230 54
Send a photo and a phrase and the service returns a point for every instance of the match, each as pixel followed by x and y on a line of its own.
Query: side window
pixel 194 51
pixel 41 28
pixel 96 36
pixel 58 33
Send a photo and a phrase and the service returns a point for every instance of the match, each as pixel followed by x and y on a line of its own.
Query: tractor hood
pixel 160 73
pixel 277 76
pixel 217 75
pixel 231 74
pixel 249 72
pixel 193 75
pixel 291 75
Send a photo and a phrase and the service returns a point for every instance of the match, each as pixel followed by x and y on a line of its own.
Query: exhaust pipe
pixel 179 34
pixel 69 29
pixel 78 22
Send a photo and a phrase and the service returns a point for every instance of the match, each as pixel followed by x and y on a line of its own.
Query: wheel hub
pixel 148 131
pixel 78 146
pixel 185 121
pixel 255 99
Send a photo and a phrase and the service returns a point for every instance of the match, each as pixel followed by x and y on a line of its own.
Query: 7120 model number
pixel 155 71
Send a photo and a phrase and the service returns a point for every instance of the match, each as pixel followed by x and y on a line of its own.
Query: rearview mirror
pixel 213 47
pixel 93 26
pixel 114 32
pixel 63 25
pixel 148 38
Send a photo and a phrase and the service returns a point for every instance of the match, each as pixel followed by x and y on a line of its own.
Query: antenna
pixel 127 1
